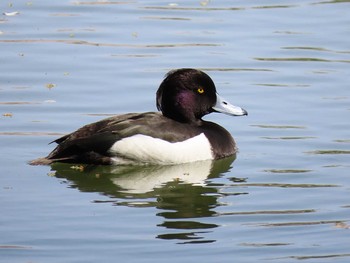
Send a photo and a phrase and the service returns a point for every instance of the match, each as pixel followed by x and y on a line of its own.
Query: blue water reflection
pixel 180 192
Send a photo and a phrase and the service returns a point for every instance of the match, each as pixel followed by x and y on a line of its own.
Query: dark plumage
pixel 184 97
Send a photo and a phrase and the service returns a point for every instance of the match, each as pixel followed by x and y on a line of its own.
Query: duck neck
pixel 183 118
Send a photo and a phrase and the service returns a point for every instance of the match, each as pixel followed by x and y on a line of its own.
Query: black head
pixel 186 95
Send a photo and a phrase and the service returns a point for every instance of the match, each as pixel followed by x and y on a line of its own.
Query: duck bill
pixel 223 106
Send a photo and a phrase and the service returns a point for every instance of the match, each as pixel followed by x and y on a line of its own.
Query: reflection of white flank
pixel 147 149
pixel 145 180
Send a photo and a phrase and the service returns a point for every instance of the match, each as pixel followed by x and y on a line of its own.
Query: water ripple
pixel 302 59
pixel 88 43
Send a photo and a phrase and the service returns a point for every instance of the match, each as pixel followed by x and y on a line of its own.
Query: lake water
pixel 286 196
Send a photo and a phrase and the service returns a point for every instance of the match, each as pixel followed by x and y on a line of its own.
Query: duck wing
pixel 97 138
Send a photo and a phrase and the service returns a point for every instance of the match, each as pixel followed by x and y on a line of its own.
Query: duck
pixel 175 134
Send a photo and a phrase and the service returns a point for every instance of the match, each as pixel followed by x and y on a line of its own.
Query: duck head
pixel 186 95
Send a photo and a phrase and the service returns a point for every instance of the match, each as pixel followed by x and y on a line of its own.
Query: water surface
pixel 284 198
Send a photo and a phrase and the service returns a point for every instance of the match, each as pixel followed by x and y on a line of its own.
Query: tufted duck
pixel 176 135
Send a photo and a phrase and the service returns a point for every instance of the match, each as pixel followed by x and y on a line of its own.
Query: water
pixel 286 196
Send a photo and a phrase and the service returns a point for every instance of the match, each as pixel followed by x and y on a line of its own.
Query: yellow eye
pixel 200 90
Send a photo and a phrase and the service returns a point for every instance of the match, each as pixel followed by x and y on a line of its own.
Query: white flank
pixel 146 149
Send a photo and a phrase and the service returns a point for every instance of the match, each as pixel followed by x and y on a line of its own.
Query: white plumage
pixel 147 149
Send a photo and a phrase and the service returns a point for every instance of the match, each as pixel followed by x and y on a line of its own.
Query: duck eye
pixel 200 90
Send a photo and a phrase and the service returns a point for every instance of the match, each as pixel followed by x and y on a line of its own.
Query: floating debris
pixel 50 85
pixel 342 225
pixel 79 168
pixel 204 3
pixel 49 101
pixel 7 114
pixel 11 13
pixel 52 174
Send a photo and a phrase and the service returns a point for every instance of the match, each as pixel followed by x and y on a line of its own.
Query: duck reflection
pixel 182 193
